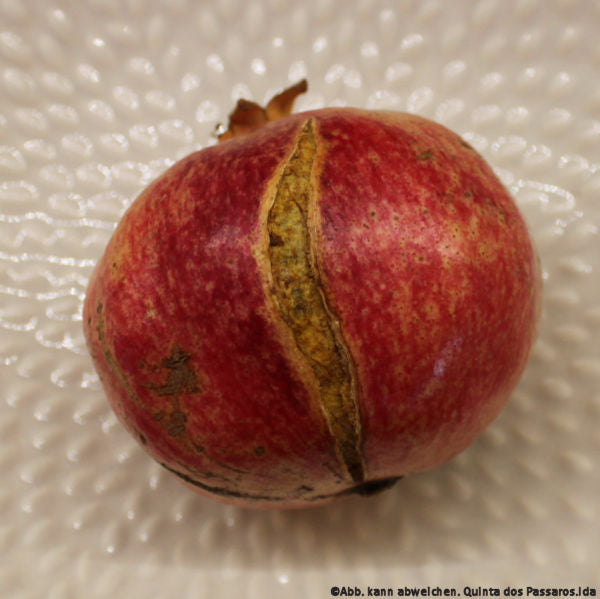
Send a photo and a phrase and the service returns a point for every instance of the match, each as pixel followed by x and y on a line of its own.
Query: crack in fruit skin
pixel 365 489
pixel 301 300
pixel 337 266
pixel 199 263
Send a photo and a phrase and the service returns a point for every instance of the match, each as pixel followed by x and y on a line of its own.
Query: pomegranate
pixel 317 306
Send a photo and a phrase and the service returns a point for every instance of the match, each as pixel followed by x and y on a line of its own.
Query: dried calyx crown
pixel 248 116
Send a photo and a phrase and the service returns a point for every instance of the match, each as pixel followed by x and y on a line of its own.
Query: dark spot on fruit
pixel 176 430
pixel 181 377
pixel 426 155
pixel 143 439
pixel 372 487
pixel 178 417
pixel 275 240
pixel 258 451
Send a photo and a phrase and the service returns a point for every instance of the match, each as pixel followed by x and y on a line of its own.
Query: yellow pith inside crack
pixel 302 304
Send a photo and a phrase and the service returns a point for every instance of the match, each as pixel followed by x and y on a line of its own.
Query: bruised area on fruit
pixel 301 301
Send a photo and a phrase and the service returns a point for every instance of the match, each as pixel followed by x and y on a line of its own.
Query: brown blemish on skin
pixel 181 378
pixel 301 300
pixel 177 420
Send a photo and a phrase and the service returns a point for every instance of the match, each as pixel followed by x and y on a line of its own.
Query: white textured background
pixel 97 98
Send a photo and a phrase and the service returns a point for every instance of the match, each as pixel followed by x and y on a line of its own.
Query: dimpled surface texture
pixel 98 98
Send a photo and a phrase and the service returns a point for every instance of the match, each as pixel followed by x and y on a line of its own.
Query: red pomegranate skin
pixel 430 287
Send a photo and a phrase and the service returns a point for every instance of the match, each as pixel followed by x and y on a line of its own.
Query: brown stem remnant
pixel 248 116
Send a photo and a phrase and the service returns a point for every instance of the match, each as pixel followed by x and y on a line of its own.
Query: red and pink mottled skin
pixel 423 257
